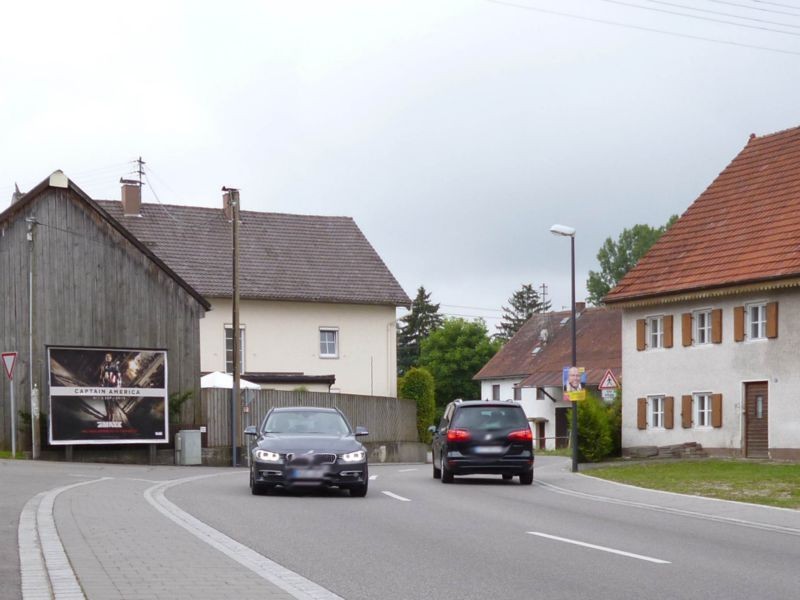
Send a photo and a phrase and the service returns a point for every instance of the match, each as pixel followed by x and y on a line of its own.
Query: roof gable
pixel 282 256
pixel 744 228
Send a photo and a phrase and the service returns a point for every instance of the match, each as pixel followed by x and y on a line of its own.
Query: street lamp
pixel 567 231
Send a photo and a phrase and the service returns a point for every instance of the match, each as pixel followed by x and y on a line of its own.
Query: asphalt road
pixel 412 537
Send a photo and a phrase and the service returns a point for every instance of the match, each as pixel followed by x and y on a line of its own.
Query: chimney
pixel 226 206
pixel 17 195
pixel 131 198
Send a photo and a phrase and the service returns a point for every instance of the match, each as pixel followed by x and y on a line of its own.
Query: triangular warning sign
pixel 608 382
pixel 9 359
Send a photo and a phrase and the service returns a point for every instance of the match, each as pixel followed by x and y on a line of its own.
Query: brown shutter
pixel 738 323
pixel 640 334
pixel 686 412
pixel 668 331
pixel 716 410
pixel 686 329
pixel 669 412
pixel 716 326
pixel 772 319
pixel 641 413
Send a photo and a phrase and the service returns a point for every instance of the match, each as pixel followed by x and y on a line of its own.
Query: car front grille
pixel 310 459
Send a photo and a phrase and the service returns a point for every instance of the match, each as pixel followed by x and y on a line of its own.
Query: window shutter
pixel 772 319
pixel 668 331
pixel 640 334
pixel 641 413
pixel 669 412
pixel 686 412
pixel 716 410
pixel 686 329
pixel 716 326
pixel 738 323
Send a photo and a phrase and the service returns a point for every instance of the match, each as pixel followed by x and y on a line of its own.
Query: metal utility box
pixel 188 447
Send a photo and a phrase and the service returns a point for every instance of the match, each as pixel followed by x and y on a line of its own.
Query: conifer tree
pixel 524 303
pixel 417 325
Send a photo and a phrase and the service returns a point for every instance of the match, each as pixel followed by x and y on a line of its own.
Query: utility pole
pixel 543 287
pixel 232 201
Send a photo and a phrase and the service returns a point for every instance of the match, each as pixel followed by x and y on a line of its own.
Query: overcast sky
pixel 454 132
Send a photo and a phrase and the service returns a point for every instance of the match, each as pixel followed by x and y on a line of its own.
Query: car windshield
pixel 305 421
pixel 489 417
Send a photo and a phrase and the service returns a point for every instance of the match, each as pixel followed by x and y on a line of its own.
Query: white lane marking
pixel 396 497
pixel 373 477
pixel 292 583
pixel 45 569
pixel 602 548
pixel 674 511
pixel 406 470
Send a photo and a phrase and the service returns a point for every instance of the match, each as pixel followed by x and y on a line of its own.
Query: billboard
pixel 107 396
pixel 574 381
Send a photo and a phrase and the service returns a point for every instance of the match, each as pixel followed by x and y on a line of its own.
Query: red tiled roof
pixel 282 256
pixel 745 228
pixel 598 341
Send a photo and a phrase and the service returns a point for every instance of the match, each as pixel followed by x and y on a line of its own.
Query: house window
pixel 655 332
pixel 702 327
pixel 540 393
pixel 757 321
pixel 329 343
pixel 517 393
pixel 496 392
pixel 229 350
pixel 657 412
pixel 702 408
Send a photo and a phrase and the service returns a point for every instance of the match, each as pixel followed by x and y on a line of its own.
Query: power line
pixel 792 6
pixel 698 17
pixel 724 14
pixel 642 28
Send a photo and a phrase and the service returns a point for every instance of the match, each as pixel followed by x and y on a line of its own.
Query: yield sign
pixel 9 360
pixel 608 382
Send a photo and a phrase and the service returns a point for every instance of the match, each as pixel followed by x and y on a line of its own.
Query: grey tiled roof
pixel 282 257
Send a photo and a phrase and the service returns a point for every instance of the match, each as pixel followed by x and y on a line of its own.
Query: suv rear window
pixel 490 417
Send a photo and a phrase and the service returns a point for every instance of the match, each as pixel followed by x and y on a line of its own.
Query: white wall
pixel 284 337
pixel 716 368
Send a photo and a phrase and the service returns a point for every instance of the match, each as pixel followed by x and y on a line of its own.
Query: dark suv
pixel 477 437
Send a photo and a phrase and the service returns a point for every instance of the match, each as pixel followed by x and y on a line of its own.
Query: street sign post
pixel 9 360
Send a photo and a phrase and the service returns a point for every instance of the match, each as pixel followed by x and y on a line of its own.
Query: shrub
pixel 594 431
pixel 418 385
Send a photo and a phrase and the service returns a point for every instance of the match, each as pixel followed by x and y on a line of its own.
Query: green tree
pixel 418 384
pixel 453 354
pixel 524 303
pixel 415 327
pixel 617 258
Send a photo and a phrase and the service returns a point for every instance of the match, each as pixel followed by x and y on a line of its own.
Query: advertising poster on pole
pixel 107 396
pixel 574 381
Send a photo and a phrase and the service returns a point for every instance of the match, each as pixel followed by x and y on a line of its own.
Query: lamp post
pixel 566 231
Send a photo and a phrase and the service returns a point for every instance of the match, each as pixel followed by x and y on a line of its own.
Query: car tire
pixel 257 489
pixel 526 478
pixel 507 477
pixel 447 474
pixel 437 473
pixel 359 491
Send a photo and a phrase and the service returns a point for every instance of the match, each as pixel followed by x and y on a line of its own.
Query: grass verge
pixel 772 484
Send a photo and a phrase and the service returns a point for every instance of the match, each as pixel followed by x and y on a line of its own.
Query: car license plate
pixel 306 473
pixel 488 449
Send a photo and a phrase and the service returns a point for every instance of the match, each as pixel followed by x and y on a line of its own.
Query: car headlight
pixel 357 456
pixel 267 456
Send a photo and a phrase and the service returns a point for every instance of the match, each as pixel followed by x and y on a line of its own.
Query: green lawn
pixel 774 484
pixel 7 454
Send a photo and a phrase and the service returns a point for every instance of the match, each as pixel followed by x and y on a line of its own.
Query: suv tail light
pixel 458 435
pixel 521 435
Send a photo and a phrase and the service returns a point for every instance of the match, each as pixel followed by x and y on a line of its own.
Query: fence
pixel 386 419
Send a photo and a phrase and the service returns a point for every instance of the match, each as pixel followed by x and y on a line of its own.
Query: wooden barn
pixel 93 313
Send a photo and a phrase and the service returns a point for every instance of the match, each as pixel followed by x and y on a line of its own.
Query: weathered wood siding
pixel 91 287
pixel 386 419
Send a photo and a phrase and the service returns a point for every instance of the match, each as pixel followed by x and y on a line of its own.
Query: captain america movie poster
pixel 107 396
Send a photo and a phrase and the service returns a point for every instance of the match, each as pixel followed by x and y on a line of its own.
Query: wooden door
pixel 756 420
pixel 562 428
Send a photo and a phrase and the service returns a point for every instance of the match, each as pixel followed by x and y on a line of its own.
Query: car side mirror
pixel 361 431
pixel 433 429
pixel 251 430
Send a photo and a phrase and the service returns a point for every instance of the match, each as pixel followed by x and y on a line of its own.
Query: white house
pixel 529 367
pixel 318 305
pixel 708 343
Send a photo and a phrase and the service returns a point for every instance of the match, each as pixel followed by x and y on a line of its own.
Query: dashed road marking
pixel 396 497
pixel 601 548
